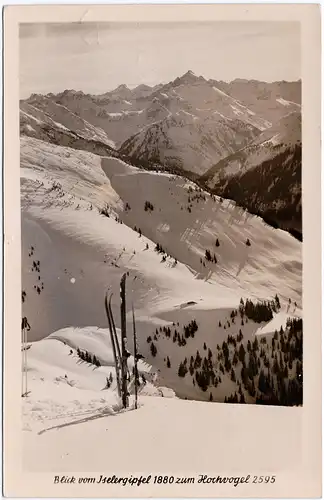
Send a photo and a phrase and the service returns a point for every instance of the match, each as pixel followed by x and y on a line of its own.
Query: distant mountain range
pixel 240 139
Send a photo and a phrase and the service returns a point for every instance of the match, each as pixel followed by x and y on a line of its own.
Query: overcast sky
pixel 96 58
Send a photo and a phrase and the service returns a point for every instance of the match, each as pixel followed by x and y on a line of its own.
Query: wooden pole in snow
pixel 115 333
pixel 135 357
pixel 24 327
pixel 123 340
pixel 117 361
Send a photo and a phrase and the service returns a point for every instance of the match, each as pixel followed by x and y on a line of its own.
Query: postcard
pixel 162 256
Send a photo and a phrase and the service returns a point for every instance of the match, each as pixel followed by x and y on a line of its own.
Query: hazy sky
pixel 96 57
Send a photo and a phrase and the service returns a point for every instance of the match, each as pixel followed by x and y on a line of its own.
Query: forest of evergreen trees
pixel 257 192
pixel 265 370
pixel 259 311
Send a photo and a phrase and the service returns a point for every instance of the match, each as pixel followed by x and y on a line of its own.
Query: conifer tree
pixel 153 349
pixel 262 382
pixel 242 399
pixel 277 301
pixel 182 370
pixel 241 353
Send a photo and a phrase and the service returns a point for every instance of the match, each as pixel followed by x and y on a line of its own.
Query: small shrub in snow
pixel 104 211
pixel 148 206
pixel 208 256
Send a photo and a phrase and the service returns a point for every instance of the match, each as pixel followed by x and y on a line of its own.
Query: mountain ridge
pixel 190 125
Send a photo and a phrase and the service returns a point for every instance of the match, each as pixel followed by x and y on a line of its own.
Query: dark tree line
pixel 259 311
pixel 261 198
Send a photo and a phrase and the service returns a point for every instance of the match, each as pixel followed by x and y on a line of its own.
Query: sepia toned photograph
pixel 185 186
pixel 162 230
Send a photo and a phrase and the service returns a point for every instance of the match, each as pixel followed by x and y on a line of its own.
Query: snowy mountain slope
pixel 44 109
pixel 265 176
pixel 36 124
pixel 122 92
pixel 204 124
pixel 64 387
pixel 271 101
pixel 285 133
pixel 186 234
pixel 186 141
pixel 115 117
pixel 81 253
pixel 109 118
pixel 272 189
pixel 94 340
pixel 204 96
pixel 123 184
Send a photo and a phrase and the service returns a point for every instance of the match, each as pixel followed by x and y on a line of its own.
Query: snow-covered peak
pixel 121 87
pixel 190 73
pixel 188 78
